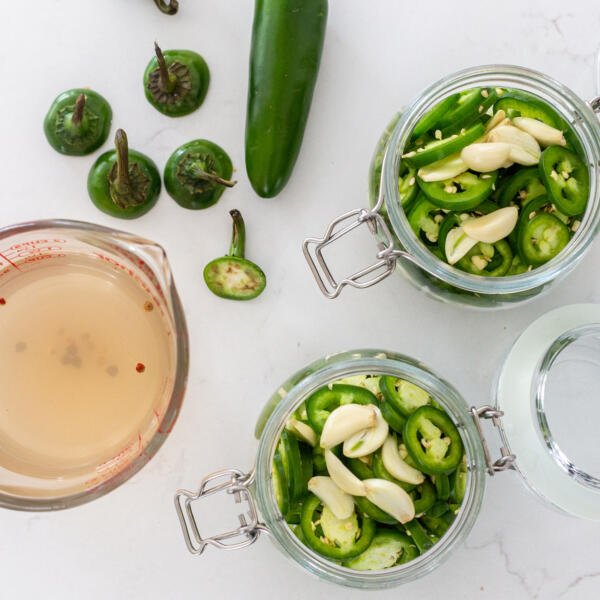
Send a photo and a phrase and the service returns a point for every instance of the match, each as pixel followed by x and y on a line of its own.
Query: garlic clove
pixel 485 157
pixel 335 499
pixel 498 118
pixel 390 498
pixel 345 421
pixel 458 243
pixel 303 431
pixel 396 466
pixel 544 134
pixel 368 440
pixel 448 167
pixel 492 227
pixel 523 141
pixel 342 476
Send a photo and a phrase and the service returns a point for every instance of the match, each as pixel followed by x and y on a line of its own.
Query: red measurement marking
pixel 2 301
pixel 140 367
pixel 10 262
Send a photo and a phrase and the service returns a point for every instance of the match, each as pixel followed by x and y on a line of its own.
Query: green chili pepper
pixel 394 419
pixel 404 396
pixel 281 487
pixel 311 512
pixel 542 238
pixel 233 276
pixel 438 525
pixel 419 536
pixel 176 81
pixel 322 402
pixel 197 173
pixel 442 486
pixel 287 40
pixel 78 122
pixel 473 109
pixel 122 182
pixel 522 187
pixel 463 192
pixel 488 260
pixel 458 482
pixel 439 508
pixel 388 548
pixel 430 121
pixel 433 441
pixel 423 497
pixel 424 219
pixel 169 8
pixel 567 179
pixel 438 149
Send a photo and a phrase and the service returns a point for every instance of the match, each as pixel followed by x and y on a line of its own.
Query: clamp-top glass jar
pixel 402 247
pixel 554 461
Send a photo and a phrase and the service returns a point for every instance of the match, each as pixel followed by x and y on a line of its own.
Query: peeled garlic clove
pixel 448 167
pixel 392 461
pixel 499 117
pixel 367 441
pixel 522 143
pixel 345 421
pixel 494 226
pixel 336 500
pixel 342 476
pixel 522 157
pixel 390 498
pixel 458 243
pixel 487 157
pixel 305 432
pixel 544 134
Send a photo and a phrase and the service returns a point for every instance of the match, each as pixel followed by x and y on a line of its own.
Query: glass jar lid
pixel 548 390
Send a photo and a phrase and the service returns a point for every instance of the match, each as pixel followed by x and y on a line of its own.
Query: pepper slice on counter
pixel 315 538
pixel 325 400
pixel 433 441
pixel 463 192
pixel 176 81
pixel 197 173
pixel 233 276
pixel 78 122
pixel 122 182
pixel 566 178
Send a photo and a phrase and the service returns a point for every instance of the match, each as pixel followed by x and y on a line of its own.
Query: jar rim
pixel 342 365
pixel 575 111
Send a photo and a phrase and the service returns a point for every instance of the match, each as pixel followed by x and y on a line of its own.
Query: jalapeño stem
pixel 197 171
pixel 122 181
pixel 169 8
pixel 238 238
pixel 78 112
pixel 167 81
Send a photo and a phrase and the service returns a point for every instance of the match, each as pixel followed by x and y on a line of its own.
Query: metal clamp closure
pixel 231 481
pixel 507 460
pixel 386 256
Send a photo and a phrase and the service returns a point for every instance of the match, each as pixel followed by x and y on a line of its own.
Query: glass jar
pixel 519 426
pixel 397 243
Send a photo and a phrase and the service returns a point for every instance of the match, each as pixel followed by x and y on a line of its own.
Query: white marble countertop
pixel 378 55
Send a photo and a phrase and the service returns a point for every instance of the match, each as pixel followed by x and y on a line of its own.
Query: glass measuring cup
pixel 93 359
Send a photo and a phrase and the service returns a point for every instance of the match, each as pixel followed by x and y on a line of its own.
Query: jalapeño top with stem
pixel 197 173
pixel 122 182
pixel 176 81
pixel 233 276
pixel 78 122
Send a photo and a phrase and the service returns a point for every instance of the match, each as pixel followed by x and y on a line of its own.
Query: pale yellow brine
pixel 86 360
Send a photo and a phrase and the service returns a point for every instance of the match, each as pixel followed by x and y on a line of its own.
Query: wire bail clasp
pixel 506 460
pixel 386 255
pixel 230 481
